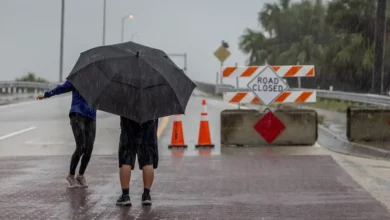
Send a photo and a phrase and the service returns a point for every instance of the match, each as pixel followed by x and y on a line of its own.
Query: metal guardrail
pixel 338 95
pixel 29 85
pixel 211 88
pixel 355 97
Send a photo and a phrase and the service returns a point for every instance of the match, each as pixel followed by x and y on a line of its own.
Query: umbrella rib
pixel 177 98
pixel 156 70
pixel 163 77
pixel 103 59
pixel 104 86
pixel 97 65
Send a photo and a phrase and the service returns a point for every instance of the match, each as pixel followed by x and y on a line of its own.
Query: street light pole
pixel 379 43
pixel 185 62
pixel 123 25
pixel 62 38
pixel 104 22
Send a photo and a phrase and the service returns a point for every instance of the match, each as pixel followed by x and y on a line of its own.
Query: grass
pixel 328 104
pixel 332 104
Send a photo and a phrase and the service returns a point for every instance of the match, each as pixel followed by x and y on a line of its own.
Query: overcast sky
pixel 30 31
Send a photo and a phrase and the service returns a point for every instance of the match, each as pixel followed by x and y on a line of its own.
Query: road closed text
pixel 267 84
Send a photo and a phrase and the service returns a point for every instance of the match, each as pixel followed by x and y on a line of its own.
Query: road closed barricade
pixel 266 86
pixel 253 128
pixel 368 123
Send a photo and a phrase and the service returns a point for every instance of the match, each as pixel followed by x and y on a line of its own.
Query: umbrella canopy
pixel 131 80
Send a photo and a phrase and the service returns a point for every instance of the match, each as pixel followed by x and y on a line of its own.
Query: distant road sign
pixel 267 85
pixel 222 53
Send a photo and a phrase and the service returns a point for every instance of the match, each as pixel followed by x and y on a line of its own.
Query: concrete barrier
pixel 237 127
pixel 368 123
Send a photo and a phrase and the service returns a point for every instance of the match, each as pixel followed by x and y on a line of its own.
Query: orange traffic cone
pixel 204 139
pixel 177 139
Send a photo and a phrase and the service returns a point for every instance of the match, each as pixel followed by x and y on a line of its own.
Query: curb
pixel 335 143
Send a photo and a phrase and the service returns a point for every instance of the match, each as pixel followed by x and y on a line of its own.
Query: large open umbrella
pixel 131 80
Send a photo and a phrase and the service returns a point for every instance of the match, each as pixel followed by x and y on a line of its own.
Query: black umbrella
pixel 131 80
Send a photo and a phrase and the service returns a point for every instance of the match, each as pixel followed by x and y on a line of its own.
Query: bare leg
pixel 148 157
pixel 126 156
pixel 124 176
pixel 148 176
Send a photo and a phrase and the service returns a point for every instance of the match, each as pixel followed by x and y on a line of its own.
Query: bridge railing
pixel 338 95
pixel 11 88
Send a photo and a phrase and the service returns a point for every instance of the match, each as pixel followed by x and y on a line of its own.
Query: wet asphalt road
pixel 284 183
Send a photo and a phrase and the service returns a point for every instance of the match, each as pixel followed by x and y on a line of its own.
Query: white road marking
pixel 17 132
pixel 32 141
pixel 39 142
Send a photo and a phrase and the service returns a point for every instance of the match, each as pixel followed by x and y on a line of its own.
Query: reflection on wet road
pixel 258 183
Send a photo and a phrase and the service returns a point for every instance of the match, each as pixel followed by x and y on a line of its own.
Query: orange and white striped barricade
pixel 282 71
pixel 285 97
pixel 267 85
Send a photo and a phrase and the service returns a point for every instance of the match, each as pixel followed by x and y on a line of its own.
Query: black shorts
pixel 138 140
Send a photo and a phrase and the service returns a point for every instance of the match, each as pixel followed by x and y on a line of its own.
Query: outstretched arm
pixel 60 89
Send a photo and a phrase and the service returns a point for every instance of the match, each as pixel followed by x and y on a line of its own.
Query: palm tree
pixel 271 16
pixel 255 44
pixel 31 77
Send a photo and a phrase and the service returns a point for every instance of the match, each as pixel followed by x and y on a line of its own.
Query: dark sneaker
pixel 73 183
pixel 146 199
pixel 82 181
pixel 124 200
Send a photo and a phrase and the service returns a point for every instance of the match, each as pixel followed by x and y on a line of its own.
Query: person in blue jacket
pixel 83 123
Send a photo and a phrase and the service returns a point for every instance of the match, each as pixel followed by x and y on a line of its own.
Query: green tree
pixel 31 77
pixel 337 38
pixel 255 44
